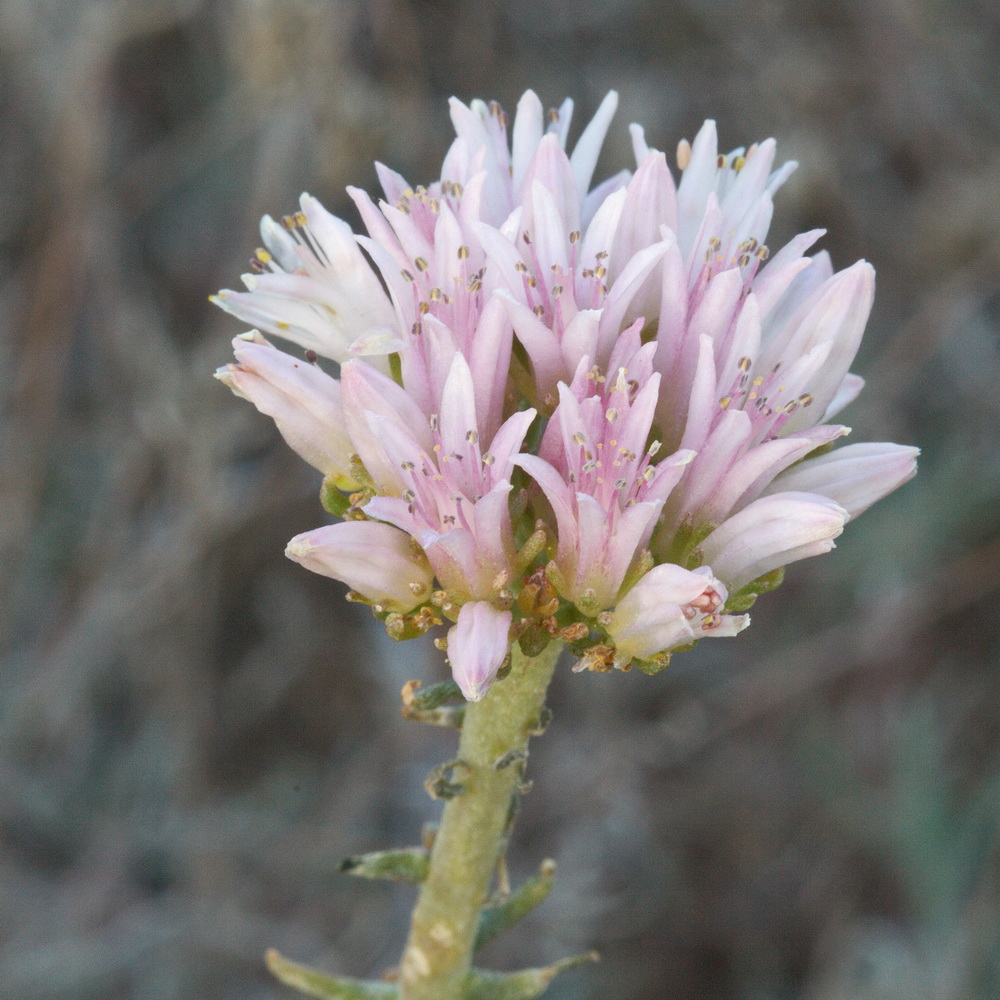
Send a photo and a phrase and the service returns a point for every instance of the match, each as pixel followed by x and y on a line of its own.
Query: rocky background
pixel 194 731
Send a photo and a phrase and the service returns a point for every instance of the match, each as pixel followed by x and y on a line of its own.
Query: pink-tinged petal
pixel 745 343
pixel 579 339
pixel 772 532
pixel 588 146
pixel 549 227
pixel 411 239
pixel 651 202
pixel 774 279
pixel 715 458
pixel 458 409
pixel 550 171
pixel 855 476
pixel 507 441
pixel 393 184
pixel 377 560
pixel 471 210
pixel 714 314
pixel 540 342
pixel 600 237
pixel 802 286
pixel 749 476
pixel 618 303
pixel 849 391
pixel 697 182
pixel 560 498
pixel 634 428
pixel 589 568
pixel 526 135
pixel 303 400
pixel 378 228
pixel 836 314
pixel 673 310
pixel 751 181
pixel 436 351
pixel 630 536
pixel 395 511
pixel 489 360
pixel 502 258
pixel 669 583
pixel 477 646
pixel 563 118
pixel 598 195
pixel 640 148
pixel 494 536
pixel 703 403
pixel 455 557
pixel 368 391
pixel 667 474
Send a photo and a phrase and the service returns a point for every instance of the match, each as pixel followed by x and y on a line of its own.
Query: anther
pixel 683 154
pixel 421 264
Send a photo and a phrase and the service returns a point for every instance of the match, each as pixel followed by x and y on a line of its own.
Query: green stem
pixel 438 954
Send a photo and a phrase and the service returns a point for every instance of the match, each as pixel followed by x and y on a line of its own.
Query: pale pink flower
pixel 600 480
pixel 439 484
pixel 772 532
pixel 477 646
pixel 670 607
pixel 313 286
pixel 377 561
pixel 301 398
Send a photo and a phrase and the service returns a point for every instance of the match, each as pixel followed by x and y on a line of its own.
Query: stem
pixel 438 955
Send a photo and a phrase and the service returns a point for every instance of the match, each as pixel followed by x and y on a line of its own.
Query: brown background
pixel 193 731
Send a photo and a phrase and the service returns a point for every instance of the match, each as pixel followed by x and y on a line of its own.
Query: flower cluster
pixel 600 414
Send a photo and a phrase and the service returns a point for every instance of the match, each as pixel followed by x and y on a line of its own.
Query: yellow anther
pixel 683 154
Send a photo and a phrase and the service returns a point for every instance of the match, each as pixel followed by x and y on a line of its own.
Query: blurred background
pixel 194 731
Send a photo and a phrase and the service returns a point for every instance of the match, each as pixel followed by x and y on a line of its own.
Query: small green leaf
pixel 318 984
pixel 523 985
pixel 409 864
pixel 494 920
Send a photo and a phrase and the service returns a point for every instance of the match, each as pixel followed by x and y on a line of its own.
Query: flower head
pixel 598 413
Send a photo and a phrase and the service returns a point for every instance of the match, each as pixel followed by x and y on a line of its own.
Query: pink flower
pixel 443 488
pixel 313 286
pixel 477 646
pixel 301 398
pixel 376 560
pixel 599 478
pixel 670 607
